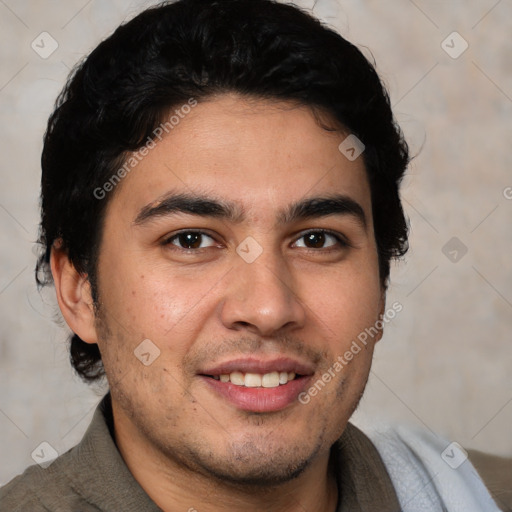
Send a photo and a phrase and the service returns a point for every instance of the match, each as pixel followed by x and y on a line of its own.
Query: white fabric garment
pixel 429 473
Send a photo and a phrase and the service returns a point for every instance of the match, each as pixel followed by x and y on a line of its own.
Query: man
pixel 219 210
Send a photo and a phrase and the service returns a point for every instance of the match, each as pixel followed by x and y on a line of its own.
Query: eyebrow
pixel 205 206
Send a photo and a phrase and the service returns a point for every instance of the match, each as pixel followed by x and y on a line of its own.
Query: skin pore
pixel 306 297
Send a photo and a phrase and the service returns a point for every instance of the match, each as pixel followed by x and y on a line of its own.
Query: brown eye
pixel 191 240
pixel 320 240
pixel 315 240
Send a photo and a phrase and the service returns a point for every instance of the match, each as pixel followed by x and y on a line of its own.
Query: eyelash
pixel 341 241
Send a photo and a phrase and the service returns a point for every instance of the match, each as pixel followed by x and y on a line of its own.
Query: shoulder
pixel 496 472
pixel 417 457
pixel 47 489
pixel 18 496
pixel 90 477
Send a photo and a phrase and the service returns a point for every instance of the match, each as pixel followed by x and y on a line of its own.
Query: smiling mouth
pixel 257 380
pixel 258 385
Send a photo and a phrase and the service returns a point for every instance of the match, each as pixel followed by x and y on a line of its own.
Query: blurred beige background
pixel 445 361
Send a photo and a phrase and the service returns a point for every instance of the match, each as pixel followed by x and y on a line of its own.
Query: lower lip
pixel 259 399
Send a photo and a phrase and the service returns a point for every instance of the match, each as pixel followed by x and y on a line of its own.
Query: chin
pixel 248 465
pixel 258 474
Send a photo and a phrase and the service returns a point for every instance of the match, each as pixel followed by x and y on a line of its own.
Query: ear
pixel 382 311
pixel 73 295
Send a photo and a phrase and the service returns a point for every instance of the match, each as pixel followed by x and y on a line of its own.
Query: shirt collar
pixel 363 482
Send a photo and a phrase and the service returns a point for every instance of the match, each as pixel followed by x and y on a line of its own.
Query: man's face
pixel 260 291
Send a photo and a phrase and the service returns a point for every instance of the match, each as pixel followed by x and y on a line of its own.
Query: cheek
pixel 346 302
pixel 161 305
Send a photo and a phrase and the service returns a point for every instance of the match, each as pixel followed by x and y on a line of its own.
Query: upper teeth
pixel 257 380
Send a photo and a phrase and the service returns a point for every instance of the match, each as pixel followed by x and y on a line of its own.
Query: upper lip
pixel 258 365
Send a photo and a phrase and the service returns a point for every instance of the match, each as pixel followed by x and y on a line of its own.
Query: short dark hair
pixel 116 98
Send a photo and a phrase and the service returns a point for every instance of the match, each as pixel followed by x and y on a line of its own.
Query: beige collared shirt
pixel 93 477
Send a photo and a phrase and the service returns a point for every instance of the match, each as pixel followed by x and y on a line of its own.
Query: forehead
pixel 259 154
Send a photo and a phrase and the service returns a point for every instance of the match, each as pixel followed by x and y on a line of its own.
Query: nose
pixel 261 298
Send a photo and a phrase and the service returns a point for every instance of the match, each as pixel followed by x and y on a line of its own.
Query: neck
pixel 174 487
